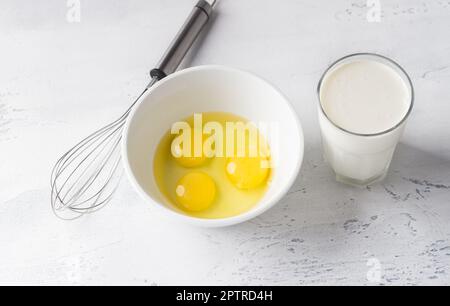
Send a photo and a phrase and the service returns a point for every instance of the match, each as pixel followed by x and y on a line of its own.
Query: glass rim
pixel 335 63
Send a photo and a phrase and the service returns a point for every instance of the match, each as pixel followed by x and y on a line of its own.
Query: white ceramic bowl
pixel 206 89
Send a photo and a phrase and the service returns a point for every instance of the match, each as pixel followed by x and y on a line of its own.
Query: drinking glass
pixel 361 159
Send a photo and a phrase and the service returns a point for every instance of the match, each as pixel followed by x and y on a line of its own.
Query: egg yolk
pixel 247 172
pixel 190 161
pixel 195 191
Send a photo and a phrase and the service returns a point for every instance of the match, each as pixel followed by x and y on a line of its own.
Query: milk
pixel 364 101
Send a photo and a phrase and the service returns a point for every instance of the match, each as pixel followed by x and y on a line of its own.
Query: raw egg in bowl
pixel 193 171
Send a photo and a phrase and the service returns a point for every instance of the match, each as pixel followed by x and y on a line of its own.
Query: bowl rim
pixel 220 222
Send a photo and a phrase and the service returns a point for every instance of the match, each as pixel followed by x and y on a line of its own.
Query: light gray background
pixel 60 81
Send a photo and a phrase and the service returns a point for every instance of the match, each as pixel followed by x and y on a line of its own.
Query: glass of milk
pixel 365 100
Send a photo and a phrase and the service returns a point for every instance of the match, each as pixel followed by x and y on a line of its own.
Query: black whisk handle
pixel 183 40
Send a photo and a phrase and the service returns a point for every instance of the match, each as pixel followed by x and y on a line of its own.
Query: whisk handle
pixel 184 40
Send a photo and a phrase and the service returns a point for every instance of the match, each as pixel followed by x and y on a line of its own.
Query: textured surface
pixel 61 80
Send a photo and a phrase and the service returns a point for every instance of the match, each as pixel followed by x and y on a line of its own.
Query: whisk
pixel 84 179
